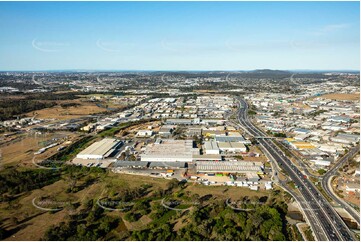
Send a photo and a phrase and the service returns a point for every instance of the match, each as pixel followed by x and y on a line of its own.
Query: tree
pixel 321 171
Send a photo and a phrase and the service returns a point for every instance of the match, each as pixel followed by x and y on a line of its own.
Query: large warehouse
pixel 100 150
pixel 170 151
pixel 228 167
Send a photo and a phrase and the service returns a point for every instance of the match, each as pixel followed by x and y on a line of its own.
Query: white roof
pixel 100 148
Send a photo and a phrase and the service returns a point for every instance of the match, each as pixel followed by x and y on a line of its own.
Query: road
pixel 324 220
pixel 326 184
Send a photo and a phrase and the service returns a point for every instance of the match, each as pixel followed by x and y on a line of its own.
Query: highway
pixel 326 184
pixel 325 222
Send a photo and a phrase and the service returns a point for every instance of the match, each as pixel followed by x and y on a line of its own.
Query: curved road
pixel 325 222
pixel 327 186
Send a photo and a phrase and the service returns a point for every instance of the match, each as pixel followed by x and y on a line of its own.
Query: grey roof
pixel 229 139
pixel 123 163
pixel 168 164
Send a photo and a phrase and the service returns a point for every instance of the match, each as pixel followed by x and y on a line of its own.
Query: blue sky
pixel 179 35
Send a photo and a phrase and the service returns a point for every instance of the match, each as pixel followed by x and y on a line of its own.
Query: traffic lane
pixel 329 211
pixel 329 227
pixel 326 226
pixel 332 214
pixel 314 205
pixel 309 198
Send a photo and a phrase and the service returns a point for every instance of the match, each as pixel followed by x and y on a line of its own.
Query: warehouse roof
pixel 228 166
pixel 123 163
pixel 231 145
pixel 229 139
pixel 101 148
pixel 170 149
pixel 211 145
pixel 167 164
pixel 207 157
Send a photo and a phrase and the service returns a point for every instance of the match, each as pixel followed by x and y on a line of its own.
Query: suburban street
pixel 325 222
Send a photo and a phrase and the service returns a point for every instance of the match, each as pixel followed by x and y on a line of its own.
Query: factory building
pixel 346 138
pixel 168 150
pixel 211 147
pixel 233 147
pixel 100 150
pixel 228 167
pixel 145 133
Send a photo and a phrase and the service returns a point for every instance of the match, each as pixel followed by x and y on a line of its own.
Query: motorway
pixel 325 222
pixel 326 182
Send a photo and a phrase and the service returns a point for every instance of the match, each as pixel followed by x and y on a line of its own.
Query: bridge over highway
pixel 324 220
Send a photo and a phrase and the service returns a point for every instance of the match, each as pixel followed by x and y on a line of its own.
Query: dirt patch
pixel 342 96
pixel 62 113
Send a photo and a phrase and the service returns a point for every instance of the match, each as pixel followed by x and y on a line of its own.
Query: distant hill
pixel 272 72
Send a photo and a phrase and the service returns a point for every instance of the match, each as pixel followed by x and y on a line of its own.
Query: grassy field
pixel 30 223
pixel 342 96
pixel 58 112
pixel 21 150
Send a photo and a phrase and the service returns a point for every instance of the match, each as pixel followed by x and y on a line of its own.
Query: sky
pixel 179 35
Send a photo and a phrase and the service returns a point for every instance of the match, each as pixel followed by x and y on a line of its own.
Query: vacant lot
pixel 343 96
pixel 21 150
pixel 62 113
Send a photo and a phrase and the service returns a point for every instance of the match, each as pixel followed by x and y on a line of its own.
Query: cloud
pixel 331 28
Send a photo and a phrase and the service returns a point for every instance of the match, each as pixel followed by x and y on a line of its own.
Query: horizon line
pixel 182 70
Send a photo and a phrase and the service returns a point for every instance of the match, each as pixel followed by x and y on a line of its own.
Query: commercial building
pixel 211 147
pixel 130 164
pixel 339 119
pixel 167 150
pixel 166 130
pixel 346 138
pixel 352 187
pixel 299 145
pixel 100 150
pixel 233 138
pixel 145 133
pixel 228 167
pixel 234 147
pixel 207 157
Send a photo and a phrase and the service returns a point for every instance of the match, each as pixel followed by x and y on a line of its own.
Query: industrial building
pixel 228 167
pixel 234 147
pixel 145 133
pixel 211 147
pixel 168 150
pixel 100 150
pixel 346 138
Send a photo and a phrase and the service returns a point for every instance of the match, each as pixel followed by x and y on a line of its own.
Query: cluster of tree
pixel 321 172
pixel 90 223
pixel 113 131
pixel 9 109
pixel 14 182
pixel 54 96
pixel 72 150
pixel 216 221
pixel 80 177
pixel 68 105
pixel 282 135
pixel 3 233
pixel 251 112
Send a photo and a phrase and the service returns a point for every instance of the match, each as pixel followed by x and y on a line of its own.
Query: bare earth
pixel 343 96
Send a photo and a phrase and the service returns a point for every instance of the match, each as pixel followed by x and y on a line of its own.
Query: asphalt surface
pixel 324 220
pixel 327 179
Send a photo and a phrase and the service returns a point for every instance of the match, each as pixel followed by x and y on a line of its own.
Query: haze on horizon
pixel 179 35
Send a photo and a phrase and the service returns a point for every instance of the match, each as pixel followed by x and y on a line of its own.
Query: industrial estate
pixel 299 140
pixel 180 121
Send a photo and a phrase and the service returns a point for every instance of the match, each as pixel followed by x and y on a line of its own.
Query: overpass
pixel 324 220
